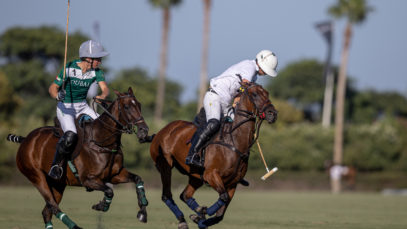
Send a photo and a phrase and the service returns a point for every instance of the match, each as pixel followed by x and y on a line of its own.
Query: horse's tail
pixel 15 138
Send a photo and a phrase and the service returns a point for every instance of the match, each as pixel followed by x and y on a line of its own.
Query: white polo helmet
pixel 92 49
pixel 267 61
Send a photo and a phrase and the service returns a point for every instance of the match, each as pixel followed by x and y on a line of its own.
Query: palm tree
pixel 165 5
pixel 204 60
pixel 355 11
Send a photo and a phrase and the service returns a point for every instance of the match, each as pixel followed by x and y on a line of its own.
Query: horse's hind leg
pixel 47 212
pixel 124 177
pixel 165 171
pixel 52 194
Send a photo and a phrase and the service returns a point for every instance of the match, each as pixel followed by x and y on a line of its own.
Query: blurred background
pixel 341 91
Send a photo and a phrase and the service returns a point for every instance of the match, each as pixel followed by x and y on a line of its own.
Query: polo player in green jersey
pixel 79 76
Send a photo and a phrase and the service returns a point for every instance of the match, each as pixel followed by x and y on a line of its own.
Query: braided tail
pixel 15 138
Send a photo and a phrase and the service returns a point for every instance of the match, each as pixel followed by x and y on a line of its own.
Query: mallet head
pixel 269 173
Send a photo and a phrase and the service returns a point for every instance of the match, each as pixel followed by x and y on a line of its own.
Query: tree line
pixel 375 140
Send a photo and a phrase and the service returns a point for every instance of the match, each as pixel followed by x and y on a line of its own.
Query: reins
pixel 127 128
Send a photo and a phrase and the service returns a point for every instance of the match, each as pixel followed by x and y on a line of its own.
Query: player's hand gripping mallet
pixel 269 172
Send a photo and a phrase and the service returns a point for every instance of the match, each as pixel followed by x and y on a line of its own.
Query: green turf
pixel 20 208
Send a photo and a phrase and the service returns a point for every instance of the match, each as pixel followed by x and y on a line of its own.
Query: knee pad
pixel 212 127
pixel 68 142
pixel 213 124
pixel 70 139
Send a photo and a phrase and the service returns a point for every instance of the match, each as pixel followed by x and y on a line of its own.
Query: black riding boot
pixel 65 147
pixel 199 140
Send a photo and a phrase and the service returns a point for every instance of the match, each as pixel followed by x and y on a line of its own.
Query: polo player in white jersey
pixel 71 97
pixel 222 91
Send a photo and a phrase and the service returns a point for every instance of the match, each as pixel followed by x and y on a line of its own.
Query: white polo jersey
pixel 226 85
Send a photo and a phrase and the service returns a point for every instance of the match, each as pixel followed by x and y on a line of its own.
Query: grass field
pixel 20 208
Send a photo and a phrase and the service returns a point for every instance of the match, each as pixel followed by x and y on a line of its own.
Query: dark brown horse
pixel 97 158
pixel 226 156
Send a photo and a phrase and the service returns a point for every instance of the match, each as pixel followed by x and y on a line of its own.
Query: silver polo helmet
pixel 92 49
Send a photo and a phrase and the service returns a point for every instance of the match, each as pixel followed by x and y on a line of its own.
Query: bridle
pixel 259 112
pixel 123 128
pixel 257 116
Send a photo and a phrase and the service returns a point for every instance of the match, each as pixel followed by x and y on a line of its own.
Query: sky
pixel 131 31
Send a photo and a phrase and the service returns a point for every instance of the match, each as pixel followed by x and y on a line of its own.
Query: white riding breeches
pixel 68 112
pixel 214 107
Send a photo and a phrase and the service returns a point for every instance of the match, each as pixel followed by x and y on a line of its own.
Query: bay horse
pixel 97 160
pixel 225 156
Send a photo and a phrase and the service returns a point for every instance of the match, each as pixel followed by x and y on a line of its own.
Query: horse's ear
pixel 117 93
pixel 130 91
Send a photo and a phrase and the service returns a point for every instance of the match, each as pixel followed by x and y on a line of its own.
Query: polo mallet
pixel 66 47
pixel 269 172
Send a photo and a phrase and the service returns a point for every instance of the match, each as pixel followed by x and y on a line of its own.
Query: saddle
pixel 80 124
pixel 226 125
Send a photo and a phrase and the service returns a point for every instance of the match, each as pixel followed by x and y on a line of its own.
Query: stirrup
pixel 194 160
pixel 56 172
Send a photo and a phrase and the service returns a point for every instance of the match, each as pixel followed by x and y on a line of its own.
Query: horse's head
pixel 258 97
pixel 128 111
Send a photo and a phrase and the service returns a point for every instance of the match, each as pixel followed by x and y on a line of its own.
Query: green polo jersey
pixel 78 83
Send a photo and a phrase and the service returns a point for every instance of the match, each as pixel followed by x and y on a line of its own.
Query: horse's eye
pixel 126 107
pixel 254 94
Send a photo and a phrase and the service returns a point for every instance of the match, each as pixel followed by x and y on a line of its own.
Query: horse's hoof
pixel 76 227
pixel 98 207
pixel 201 224
pixel 201 210
pixel 195 218
pixel 183 225
pixel 142 217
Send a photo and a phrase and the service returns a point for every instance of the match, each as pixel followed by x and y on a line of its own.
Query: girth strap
pixel 243 156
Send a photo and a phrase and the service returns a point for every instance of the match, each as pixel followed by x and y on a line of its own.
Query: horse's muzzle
pixel 271 115
pixel 142 131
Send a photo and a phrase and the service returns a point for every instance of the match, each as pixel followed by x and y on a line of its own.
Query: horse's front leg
pixel 107 189
pixel 186 197
pixel 219 213
pixel 124 177
pixel 219 207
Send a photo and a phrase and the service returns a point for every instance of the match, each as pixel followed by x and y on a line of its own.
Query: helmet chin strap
pixel 90 62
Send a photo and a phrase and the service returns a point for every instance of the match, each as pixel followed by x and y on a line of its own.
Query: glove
pixel 61 95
